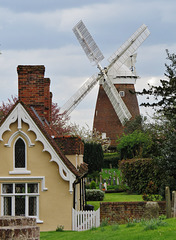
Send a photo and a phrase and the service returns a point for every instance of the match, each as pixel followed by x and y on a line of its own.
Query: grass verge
pixel 117 197
pixel 118 232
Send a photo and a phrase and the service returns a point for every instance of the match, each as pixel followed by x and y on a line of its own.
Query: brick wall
pixel 120 212
pixel 34 89
pixel 105 117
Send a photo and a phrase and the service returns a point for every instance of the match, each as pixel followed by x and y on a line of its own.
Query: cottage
pixel 41 173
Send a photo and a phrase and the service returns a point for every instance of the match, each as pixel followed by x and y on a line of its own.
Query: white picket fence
pixel 84 220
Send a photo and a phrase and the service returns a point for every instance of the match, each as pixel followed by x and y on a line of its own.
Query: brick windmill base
pixel 105 118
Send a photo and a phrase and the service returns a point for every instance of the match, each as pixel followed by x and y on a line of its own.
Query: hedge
pixel 111 158
pixel 94 195
pixel 137 173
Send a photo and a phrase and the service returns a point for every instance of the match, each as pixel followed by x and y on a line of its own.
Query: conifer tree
pixel 165 93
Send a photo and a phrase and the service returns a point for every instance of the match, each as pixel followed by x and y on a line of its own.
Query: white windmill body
pixel 120 72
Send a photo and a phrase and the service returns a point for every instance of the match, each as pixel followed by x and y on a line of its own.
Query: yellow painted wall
pixel 76 160
pixel 55 205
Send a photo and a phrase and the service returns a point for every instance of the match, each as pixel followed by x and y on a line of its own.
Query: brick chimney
pixel 34 89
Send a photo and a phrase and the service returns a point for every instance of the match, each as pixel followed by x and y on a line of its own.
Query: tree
pixel 138 123
pixel 93 156
pixel 89 136
pixel 59 120
pixel 165 108
pixel 165 94
pixel 136 144
pixel 5 107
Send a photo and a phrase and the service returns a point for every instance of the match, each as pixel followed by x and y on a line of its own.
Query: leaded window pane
pixel 19 205
pixel 32 206
pixel 7 188
pixel 20 154
pixel 32 188
pixel 20 188
pixel 7 206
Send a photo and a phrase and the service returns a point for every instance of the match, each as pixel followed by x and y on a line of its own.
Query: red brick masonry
pixel 121 212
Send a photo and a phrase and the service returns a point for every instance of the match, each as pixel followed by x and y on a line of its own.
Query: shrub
pixel 93 156
pixel 136 144
pixel 111 158
pixel 94 195
pixel 137 173
pixel 151 193
pixel 93 185
pixel 60 228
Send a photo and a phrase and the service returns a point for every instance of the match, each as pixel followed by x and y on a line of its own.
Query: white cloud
pixel 110 23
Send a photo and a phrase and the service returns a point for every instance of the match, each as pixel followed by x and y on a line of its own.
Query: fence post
pixel 168 202
pixel 174 204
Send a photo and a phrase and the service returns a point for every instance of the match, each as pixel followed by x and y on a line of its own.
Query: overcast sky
pixel 40 32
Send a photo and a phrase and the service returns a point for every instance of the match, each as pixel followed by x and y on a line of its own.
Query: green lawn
pixel 117 197
pixel 137 232
pixel 105 174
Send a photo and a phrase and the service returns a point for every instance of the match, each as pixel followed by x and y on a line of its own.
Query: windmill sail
pixel 71 104
pixel 128 48
pixel 88 44
pixel 116 101
pixel 117 60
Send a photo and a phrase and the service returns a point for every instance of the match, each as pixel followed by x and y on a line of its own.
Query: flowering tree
pixel 89 136
pixel 59 120
pixel 5 107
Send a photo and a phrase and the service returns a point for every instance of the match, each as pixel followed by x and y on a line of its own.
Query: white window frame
pixel 26 195
pixel 122 93
pixel 20 170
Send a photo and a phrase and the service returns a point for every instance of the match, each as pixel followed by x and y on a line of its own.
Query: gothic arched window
pixel 20 154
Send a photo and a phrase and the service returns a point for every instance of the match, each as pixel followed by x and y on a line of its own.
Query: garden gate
pixel 84 220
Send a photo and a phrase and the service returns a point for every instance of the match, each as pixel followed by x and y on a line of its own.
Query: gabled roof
pixel 48 133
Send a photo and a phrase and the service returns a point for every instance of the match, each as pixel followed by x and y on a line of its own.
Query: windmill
pixel 113 109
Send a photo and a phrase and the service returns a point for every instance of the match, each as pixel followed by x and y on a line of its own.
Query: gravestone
pixel 96 180
pixel 118 182
pixel 105 186
pixel 100 178
pixel 151 210
pixel 114 181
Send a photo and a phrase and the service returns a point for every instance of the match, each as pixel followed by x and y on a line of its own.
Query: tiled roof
pixel 70 145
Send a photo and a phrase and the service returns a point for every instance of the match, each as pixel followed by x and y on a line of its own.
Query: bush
pixel 60 228
pixel 151 193
pixel 93 156
pixel 137 173
pixel 94 195
pixel 111 158
pixel 93 185
pixel 136 144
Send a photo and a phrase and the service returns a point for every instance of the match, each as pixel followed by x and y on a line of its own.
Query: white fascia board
pixel 20 114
